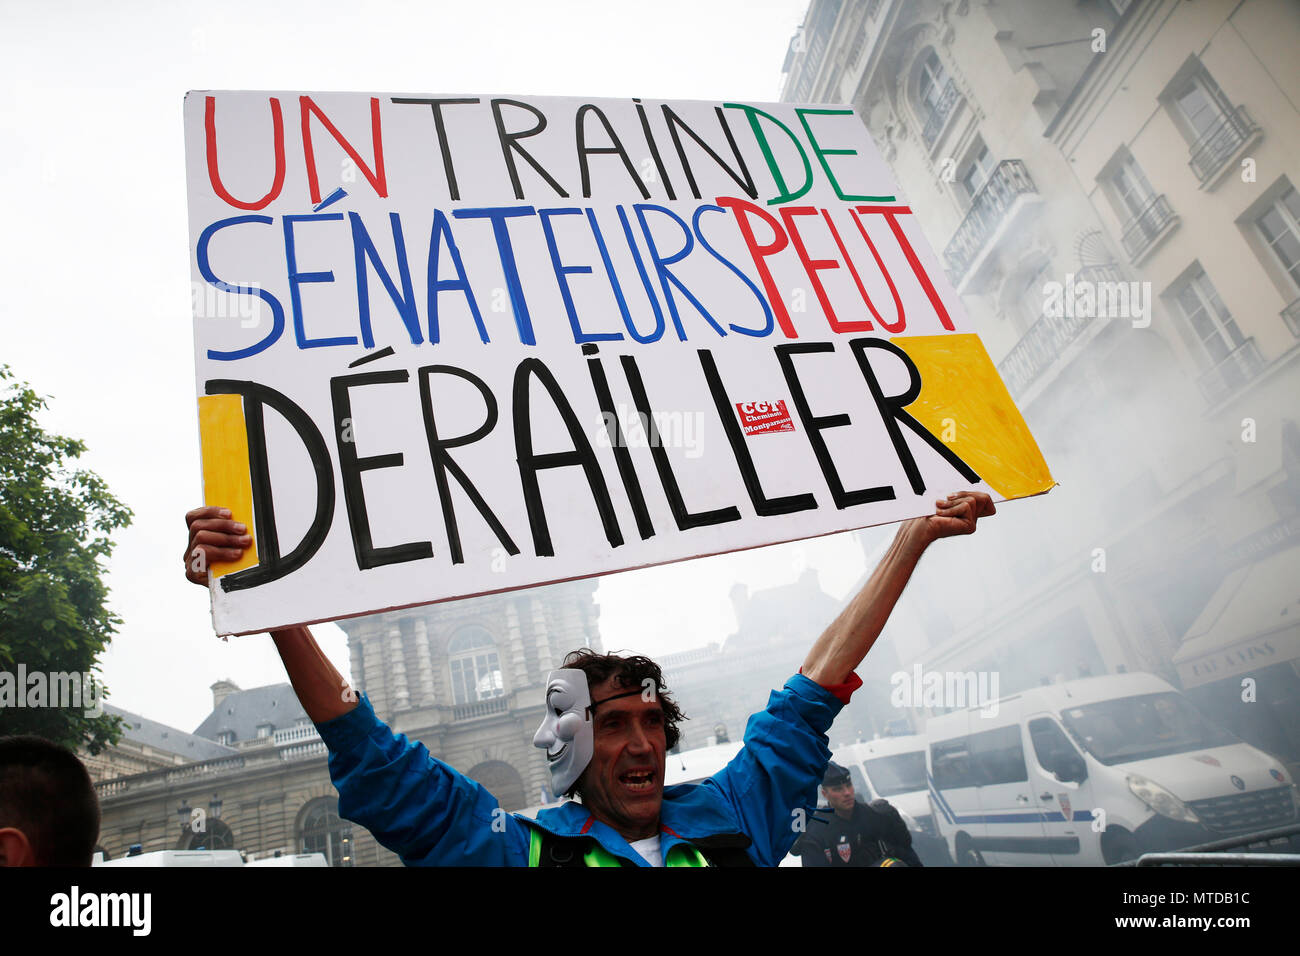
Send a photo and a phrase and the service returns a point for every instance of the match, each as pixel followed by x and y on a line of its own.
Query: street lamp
pixel 214 805
pixel 346 854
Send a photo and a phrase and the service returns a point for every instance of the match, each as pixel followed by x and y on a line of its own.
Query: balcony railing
pixel 1291 316
pixel 173 776
pixel 1239 366
pixel 302 751
pixel 1220 142
pixel 989 208
pixel 294 734
pixel 1048 337
pixel 293 743
pixel 939 115
pixel 1144 228
pixel 483 708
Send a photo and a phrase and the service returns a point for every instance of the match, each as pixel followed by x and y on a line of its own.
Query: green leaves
pixel 55 527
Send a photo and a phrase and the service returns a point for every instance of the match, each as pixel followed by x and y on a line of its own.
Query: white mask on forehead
pixel 566 733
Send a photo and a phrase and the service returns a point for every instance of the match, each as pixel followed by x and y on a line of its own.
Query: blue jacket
pixel 431 815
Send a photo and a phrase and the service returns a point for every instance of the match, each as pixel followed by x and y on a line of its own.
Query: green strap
pixel 689 856
pixel 534 846
pixel 597 855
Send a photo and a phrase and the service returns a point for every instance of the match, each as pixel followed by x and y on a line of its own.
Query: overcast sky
pixel 93 255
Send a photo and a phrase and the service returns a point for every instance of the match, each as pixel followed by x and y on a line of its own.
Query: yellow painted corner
pixel 965 404
pixel 227 480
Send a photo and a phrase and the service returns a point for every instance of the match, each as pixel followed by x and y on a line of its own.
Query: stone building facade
pixel 1112 187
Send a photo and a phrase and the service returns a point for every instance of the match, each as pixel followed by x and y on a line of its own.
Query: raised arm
pixel 844 644
pixel 417 806
pixel 321 689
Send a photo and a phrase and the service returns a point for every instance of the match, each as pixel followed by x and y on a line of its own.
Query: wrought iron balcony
pixel 1144 228
pixel 939 115
pixel 1291 316
pixel 988 210
pixel 1239 366
pixel 1220 142
pixel 1048 337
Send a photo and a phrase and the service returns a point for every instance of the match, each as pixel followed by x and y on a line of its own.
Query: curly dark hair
pixel 629 672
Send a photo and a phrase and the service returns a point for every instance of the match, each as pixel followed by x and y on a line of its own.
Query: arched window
pixel 933 79
pixel 321 831
pixel 215 835
pixel 475 667
pixel 502 781
pixel 934 96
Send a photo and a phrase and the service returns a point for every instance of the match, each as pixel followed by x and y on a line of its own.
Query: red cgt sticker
pixel 758 418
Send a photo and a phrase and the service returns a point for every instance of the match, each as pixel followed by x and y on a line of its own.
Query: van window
pixel 1051 747
pixel 901 773
pixel 998 756
pixel 952 764
pixel 1138 728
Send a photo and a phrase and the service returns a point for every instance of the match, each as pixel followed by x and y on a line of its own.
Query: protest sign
pixel 452 345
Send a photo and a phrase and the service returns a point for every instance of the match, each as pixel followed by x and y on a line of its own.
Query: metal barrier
pixel 1219 859
pixel 1211 854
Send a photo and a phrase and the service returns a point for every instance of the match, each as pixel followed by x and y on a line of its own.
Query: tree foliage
pixel 55 522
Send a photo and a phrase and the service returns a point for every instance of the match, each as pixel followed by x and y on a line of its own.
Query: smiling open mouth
pixel 552 757
pixel 639 781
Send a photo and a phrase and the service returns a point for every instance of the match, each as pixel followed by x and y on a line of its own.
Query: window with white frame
pixel 1131 188
pixel 977 171
pixel 1215 130
pixel 475 667
pixel 933 80
pixel 1208 317
pixel 323 832
pixel 934 96
pixel 1201 104
pixel 1143 214
pixel 1280 226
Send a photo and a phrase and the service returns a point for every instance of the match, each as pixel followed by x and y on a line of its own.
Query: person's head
pixel 633 725
pixel 49 815
pixel 837 787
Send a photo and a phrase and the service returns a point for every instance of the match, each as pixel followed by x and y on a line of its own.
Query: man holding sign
pixel 534 339
pixel 606 733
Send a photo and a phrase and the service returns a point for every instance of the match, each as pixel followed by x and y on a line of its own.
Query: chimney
pixel 221 690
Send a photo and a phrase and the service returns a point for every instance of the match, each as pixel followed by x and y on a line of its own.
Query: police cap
pixel 835 776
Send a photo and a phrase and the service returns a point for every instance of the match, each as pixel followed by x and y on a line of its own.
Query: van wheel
pixel 1118 846
pixel 967 855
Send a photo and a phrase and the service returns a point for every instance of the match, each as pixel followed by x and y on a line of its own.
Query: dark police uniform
pixel 873 834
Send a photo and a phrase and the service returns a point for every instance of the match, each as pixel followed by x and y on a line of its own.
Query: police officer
pixel 855 834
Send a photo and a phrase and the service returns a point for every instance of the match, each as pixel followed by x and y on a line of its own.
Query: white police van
pixel 1095 771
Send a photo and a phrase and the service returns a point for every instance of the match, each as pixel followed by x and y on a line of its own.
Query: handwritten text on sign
pixel 454 345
